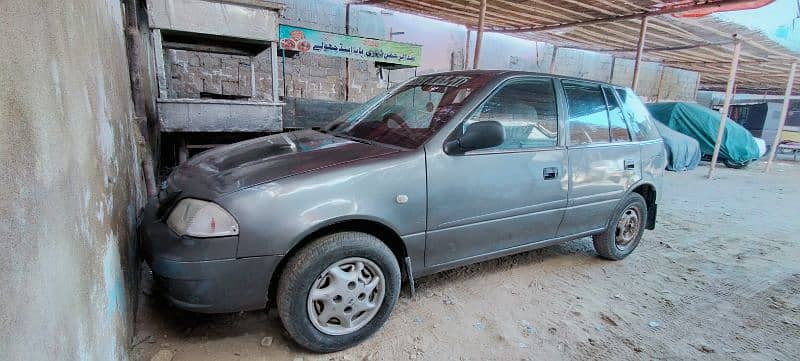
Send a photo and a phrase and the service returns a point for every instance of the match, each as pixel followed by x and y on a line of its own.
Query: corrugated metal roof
pixel 613 26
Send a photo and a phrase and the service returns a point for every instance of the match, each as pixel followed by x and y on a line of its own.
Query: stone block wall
pixel 320 77
pixel 197 74
pixel 314 76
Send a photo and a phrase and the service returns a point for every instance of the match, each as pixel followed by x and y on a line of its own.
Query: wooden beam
pixel 725 107
pixel 205 48
pixel 700 63
pixel 657 49
pixel 479 37
pixel 673 48
pixel 639 51
pixel 784 113
pixel 694 5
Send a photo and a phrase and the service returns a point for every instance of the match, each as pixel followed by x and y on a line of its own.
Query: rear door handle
pixel 550 173
pixel 630 164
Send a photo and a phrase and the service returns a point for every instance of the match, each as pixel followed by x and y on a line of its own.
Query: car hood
pixel 240 165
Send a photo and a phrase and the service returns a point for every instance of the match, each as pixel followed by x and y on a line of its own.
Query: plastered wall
pixel 70 179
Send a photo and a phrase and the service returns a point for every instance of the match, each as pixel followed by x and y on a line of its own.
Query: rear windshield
pixel 410 114
pixel 640 121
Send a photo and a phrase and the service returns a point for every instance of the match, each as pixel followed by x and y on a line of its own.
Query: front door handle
pixel 550 173
pixel 630 164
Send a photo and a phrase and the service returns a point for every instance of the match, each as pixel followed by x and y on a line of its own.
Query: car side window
pixel 619 129
pixel 638 117
pixel 528 112
pixel 588 115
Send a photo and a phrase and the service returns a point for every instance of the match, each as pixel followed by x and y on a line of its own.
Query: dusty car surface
pixel 444 170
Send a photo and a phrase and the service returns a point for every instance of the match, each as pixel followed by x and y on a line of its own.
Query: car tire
pixel 624 231
pixel 330 267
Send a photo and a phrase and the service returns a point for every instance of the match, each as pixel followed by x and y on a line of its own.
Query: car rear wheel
pixel 338 291
pixel 624 231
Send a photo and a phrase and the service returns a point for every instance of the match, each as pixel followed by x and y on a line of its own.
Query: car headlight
pixel 196 218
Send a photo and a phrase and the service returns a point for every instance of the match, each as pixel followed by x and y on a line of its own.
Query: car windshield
pixel 408 115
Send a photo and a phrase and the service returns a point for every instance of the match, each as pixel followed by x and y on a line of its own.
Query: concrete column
pixel 726 105
pixel 787 95
pixel 161 74
pixel 273 49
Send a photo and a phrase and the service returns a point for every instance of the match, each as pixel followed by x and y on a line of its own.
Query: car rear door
pixel 603 162
pixel 489 200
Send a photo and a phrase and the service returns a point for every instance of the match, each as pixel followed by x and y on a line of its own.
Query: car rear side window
pixel 588 115
pixel 528 112
pixel 639 119
pixel 619 130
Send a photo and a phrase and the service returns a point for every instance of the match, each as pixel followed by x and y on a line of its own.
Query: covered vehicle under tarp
pixel 738 146
pixel 683 151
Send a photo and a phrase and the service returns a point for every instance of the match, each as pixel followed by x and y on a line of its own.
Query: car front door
pixel 489 200
pixel 603 161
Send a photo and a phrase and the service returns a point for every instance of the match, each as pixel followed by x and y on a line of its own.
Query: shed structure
pixel 673 36
pixel 676 33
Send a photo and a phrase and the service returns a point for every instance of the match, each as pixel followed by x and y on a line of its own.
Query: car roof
pixel 509 73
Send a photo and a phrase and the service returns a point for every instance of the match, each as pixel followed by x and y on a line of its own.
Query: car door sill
pixel 503 252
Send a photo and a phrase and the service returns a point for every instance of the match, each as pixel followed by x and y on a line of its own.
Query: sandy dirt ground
pixel 719 279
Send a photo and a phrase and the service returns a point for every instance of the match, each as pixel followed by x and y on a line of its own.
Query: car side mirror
pixel 479 135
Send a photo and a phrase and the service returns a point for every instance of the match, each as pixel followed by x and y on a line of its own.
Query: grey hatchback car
pixel 441 171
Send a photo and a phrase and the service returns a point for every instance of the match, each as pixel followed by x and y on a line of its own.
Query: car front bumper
pixel 203 274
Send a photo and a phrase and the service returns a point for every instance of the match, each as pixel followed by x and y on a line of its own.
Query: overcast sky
pixel 778 20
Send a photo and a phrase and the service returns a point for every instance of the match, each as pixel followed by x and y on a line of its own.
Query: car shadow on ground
pixel 155 310
pixel 579 251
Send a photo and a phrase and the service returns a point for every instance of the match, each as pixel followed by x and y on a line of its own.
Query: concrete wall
pixel 70 182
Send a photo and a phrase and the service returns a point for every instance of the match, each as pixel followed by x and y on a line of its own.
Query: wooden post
pixel 552 69
pixel 479 37
pixel 613 64
pixel 347 60
pixel 725 107
pixel 135 51
pixel 639 53
pixel 784 113
pixel 466 51
pixel 183 150
pixel 252 76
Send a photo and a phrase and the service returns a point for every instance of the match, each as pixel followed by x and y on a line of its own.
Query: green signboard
pixel 346 46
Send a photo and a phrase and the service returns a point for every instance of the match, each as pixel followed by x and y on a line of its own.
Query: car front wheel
pixel 624 231
pixel 338 290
